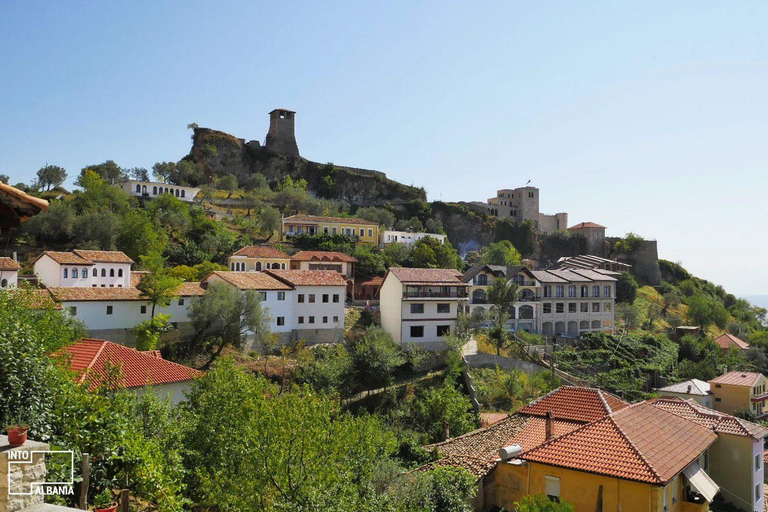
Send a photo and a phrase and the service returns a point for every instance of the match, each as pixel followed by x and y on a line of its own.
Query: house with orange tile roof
pixel 81 268
pixel 339 262
pixel 740 390
pixel 421 305
pixel 93 359
pixel 727 341
pixel 9 273
pixel 255 258
pixel 361 231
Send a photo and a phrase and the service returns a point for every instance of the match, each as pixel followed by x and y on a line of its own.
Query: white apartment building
pixel 80 268
pixel 150 190
pixel 420 305
pixel 407 237
pixel 257 258
pixel 526 313
pixel 9 273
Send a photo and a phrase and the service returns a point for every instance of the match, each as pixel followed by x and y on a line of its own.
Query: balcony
pixel 434 292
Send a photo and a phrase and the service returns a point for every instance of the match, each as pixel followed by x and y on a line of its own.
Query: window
pixel 596 291
pixel 181 302
pixel 325 230
pixel 607 291
pixel 482 280
pixel 595 307
pixel 757 492
pixel 560 307
pixel 585 291
pixel 370 233
pixel 607 307
pixel 119 272
pixel 301 319
pixel 559 291
pixel 154 191
pixel 262 296
pixel 73 311
pixel 333 230
pixel 66 273
pixel 571 307
pixel 109 310
pixel 571 290
pixel 362 231
pixel 280 295
pixel 301 297
pixel 548 290
pixel 85 272
pixel 182 193
pixel 143 310
pixel 281 320
pixel 74 273
pixel 311 319
pixel 325 319
pixel 138 188
pixel 111 272
pixel 547 308
pixel 4 283
pixel 553 488
pixel 335 297
pixel 718 400
pixel 443 308
pixel 717 386
pixel 417 308
pixel 584 307
pixel 442 330
pixel 103 272
pixel 417 331
pixel 311 298
pixel 325 298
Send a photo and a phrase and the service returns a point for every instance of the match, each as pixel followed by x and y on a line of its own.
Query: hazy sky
pixel 646 116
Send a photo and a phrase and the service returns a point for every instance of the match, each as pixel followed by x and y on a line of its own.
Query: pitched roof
pixel 489 418
pixel 727 340
pixel 82 293
pixel 323 256
pixel 476 467
pixel 748 379
pixel 136 276
pixel 261 251
pixel 249 280
pixel 582 225
pixel 35 299
pixel 444 276
pixel 309 277
pixel 65 258
pixel 641 442
pixel 718 421
pixel 571 275
pixel 90 357
pixel 104 256
pixel 8 264
pixel 688 387
pixel 588 261
pixel 19 196
pixel 576 404
pixel 338 220
pixel 496 270
pixel 193 289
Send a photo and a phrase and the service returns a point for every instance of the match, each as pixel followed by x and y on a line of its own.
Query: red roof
pixel 65 258
pixel 641 442
pixel 439 276
pixel 249 280
pixel 104 256
pixel 583 225
pixel 8 264
pixel 323 256
pixel 84 293
pixel 718 421
pixel 261 251
pixel 330 220
pixel 90 358
pixel 193 289
pixel 747 379
pixel 309 277
pixel 575 404
pixel 727 341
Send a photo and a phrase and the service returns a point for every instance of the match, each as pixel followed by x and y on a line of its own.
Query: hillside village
pixel 205 329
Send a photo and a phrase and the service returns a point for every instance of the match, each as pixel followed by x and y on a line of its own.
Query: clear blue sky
pixel 649 117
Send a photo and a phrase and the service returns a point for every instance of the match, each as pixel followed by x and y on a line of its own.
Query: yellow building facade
pixel 361 231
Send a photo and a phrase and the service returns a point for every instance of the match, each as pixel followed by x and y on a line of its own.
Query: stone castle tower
pixel 281 138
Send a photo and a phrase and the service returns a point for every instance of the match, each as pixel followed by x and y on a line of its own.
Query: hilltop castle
pixel 281 138
pixel 523 204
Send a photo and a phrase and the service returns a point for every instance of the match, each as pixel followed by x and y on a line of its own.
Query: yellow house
pixel 361 231
pixel 740 390
pixel 640 458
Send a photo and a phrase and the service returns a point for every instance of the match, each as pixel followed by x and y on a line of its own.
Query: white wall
pixel 48 271
pixel 250 263
pixel 111 281
pixel 130 187
pixel 407 237
pixel 430 319
pixel 11 278
pixel 175 390
pixel 390 299
pixel 319 309
pixel 51 273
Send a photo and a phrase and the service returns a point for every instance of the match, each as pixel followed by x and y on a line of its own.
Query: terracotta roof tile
pixel 489 418
pixel 66 258
pixel 77 293
pixel 193 289
pixel 89 358
pixel 309 277
pixel 748 379
pixel 439 276
pixel 476 467
pixel 582 225
pixel 720 422
pixel 136 276
pixel 575 404
pixel 641 442
pixel 249 280
pixel 261 251
pixel 727 341
pixel 323 256
pixel 9 264
pixel 338 220
pixel 104 256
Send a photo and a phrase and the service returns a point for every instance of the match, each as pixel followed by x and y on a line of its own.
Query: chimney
pixel 446 431
pixel 548 426
pixel 725 369
pixel 15 256
pixel 689 389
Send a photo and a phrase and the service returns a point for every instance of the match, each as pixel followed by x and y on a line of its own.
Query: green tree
pixel 256 181
pixel 227 183
pixel 108 171
pixel 370 261
pixel 51 176
pixel 99 196
pixel 381 216
pixel 501 253
pixel 705 311
pixel 269 220
pixel 96 230
pixel 541 503
pixel 626 288
pixel 428 252
pixel 375 357
pixel 54 225
pixel 148 332
pixel 225 316
pixel 440 405
pixel 4 178
pixel 139 173
pixel 138 236
pixel 502 295
pixel 445 489
pixel 157 286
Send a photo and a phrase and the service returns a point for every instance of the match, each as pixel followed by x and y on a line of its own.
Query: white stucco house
pixel 691 389
pixel 9 273
pixel 421 305
pixel 141 371
pixel 256 258
pixel 150 190
pixel 80 268
pixel 407 237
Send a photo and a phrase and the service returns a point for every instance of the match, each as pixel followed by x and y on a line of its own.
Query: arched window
pixel 282 265
pixel 120 272
pixel 177 192
pixel 138 188
pixel 144 189
pixel 585 291
pixel 182 193
pixel 482 280
pixel 154 190
pixel 572 290
pixel 596 290
pixel 66 273
pixel 560 291
pixel 258 265
pixel 276 266
pixel 74 273
pixel 85 272
pixel 232 266
pixel 111 272
pixel 4 283
pixel 606 291
pixel 548 290
pixel 103 272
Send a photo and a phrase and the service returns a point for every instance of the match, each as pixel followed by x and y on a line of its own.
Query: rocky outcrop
pixel 468 230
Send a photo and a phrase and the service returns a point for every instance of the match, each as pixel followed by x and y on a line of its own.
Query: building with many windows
pixel 80 268
pixel 421 305
pixel 361 231
pixel 740 390
pixel 150 190
pixel 256 258
pixel 407 237
pixel 525 314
